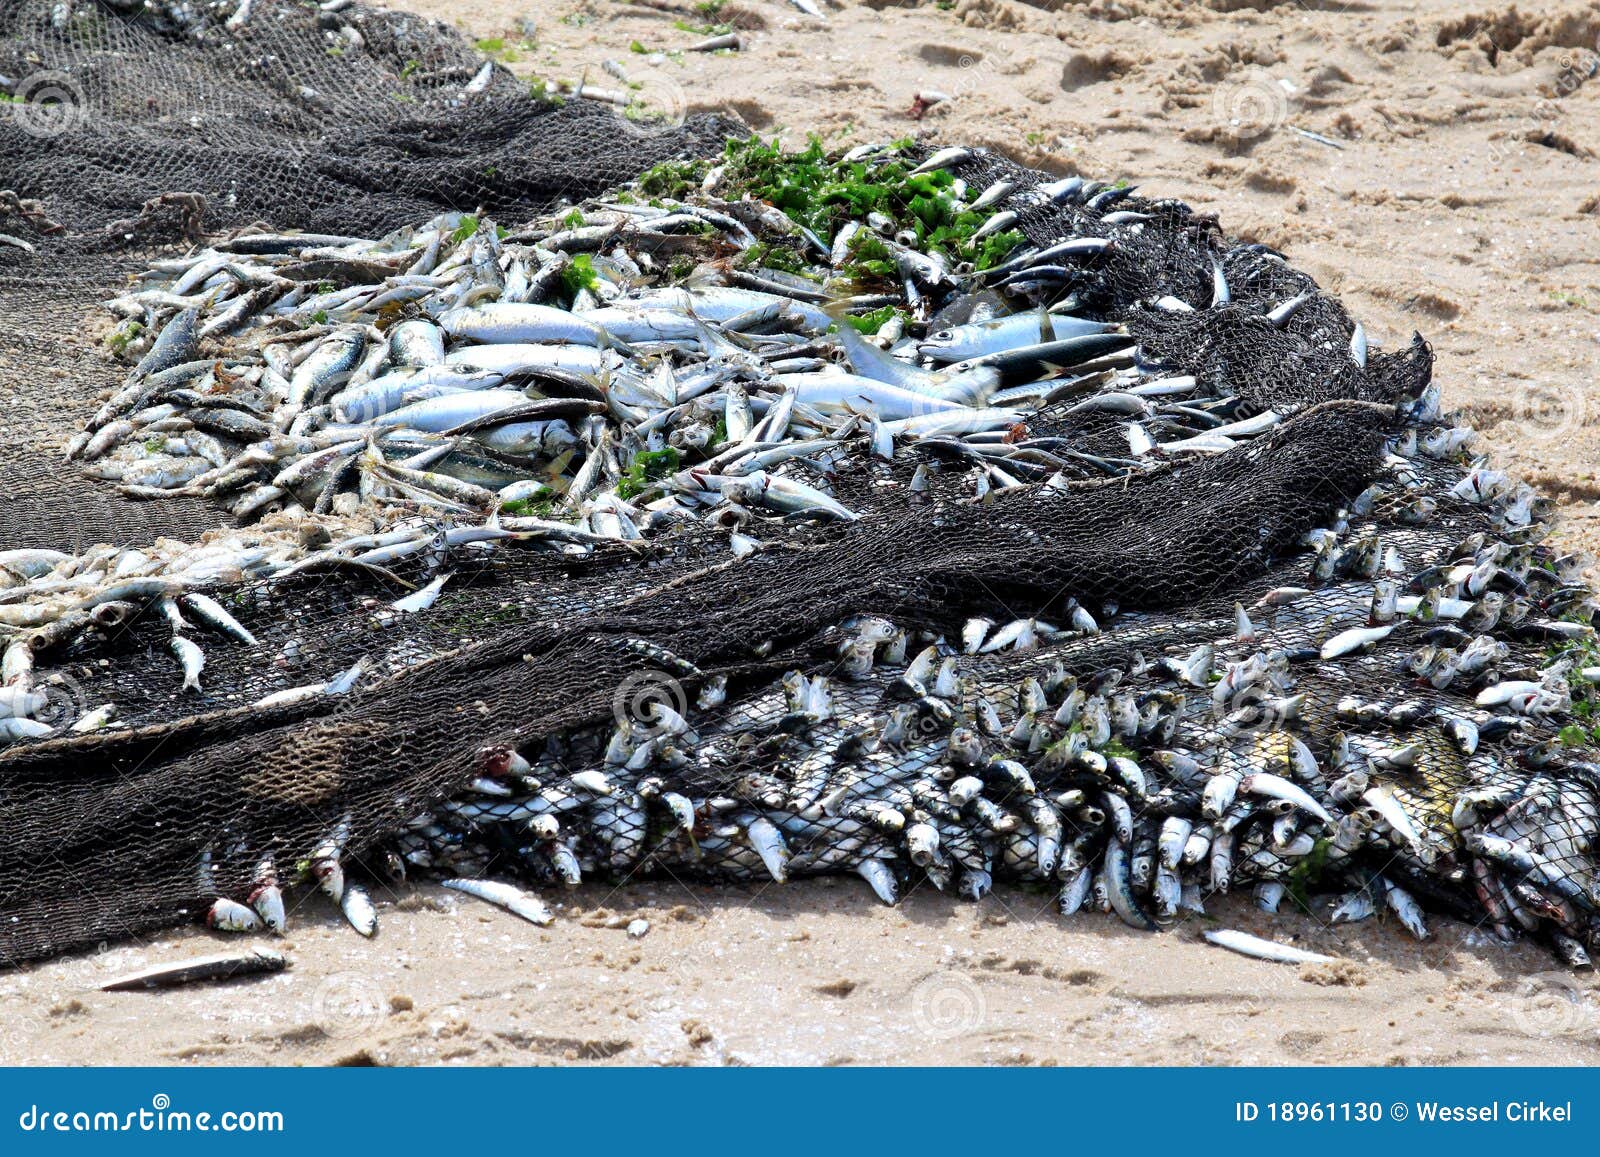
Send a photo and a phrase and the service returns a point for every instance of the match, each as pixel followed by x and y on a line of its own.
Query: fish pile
pixel 704 352
pixel 605 375
pixel 1128 776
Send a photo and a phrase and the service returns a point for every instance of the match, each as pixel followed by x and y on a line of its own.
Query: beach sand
pixel 815 973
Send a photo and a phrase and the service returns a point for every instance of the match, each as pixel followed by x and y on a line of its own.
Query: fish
pixel 503 895
pixel 1406 909
pixel 1355 639
pixel 175 345
pixel 358 910
pixel 1356 906
pixel 504 323
pixel 14 729
pixel 769 844
pixel 222 966
pixel 449 411
pixel 1276 787
pixel 1045 359
pixel 422 599
pixel 688 385
pixel 96 720
pixel 1383 801
pixel 227 915
pixel 1247 945
pixel 214 615
pixel 1118 886
pixel 326 368
pixel 18 701
pixel 760 488
pixel 978 339
pixel 191 658
pixel 882 881
pixel 945 158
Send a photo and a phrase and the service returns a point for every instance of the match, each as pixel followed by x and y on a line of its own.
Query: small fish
pixel 593 782
pixel 227 915
pixel 357 908
pixel 1406 908
pixel 1355 906
pixel 420 600
pixel 1120 890
pixel 884 885
pixel 507 896
pixel 943 159
pixel 267 899
pixel 1382 800
pixel 1075 892
pixel 325 866
pixel 1355 639
pixel 769 845
pixel 1276 787
pixel 193 660
pixel 224 966
pixel 214 615
pixel 1248 945
pixel 97 720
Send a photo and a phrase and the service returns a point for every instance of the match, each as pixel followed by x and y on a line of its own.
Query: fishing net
pixel 167 122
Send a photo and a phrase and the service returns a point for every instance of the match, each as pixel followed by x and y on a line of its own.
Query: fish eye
pixel 943 335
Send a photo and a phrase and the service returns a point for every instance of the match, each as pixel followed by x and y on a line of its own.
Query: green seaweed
pixel 1306 875
pixel 579 275
pixel 825 194
pixel 1115 746
pixel 874 320
pixel 765 255
pixel 673 178
pixel 647 468
pixel 123 336
pixel 996 247
pixel 541 507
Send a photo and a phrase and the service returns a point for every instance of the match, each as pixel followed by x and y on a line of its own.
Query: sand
pixel 1462 202
pixel 812 973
